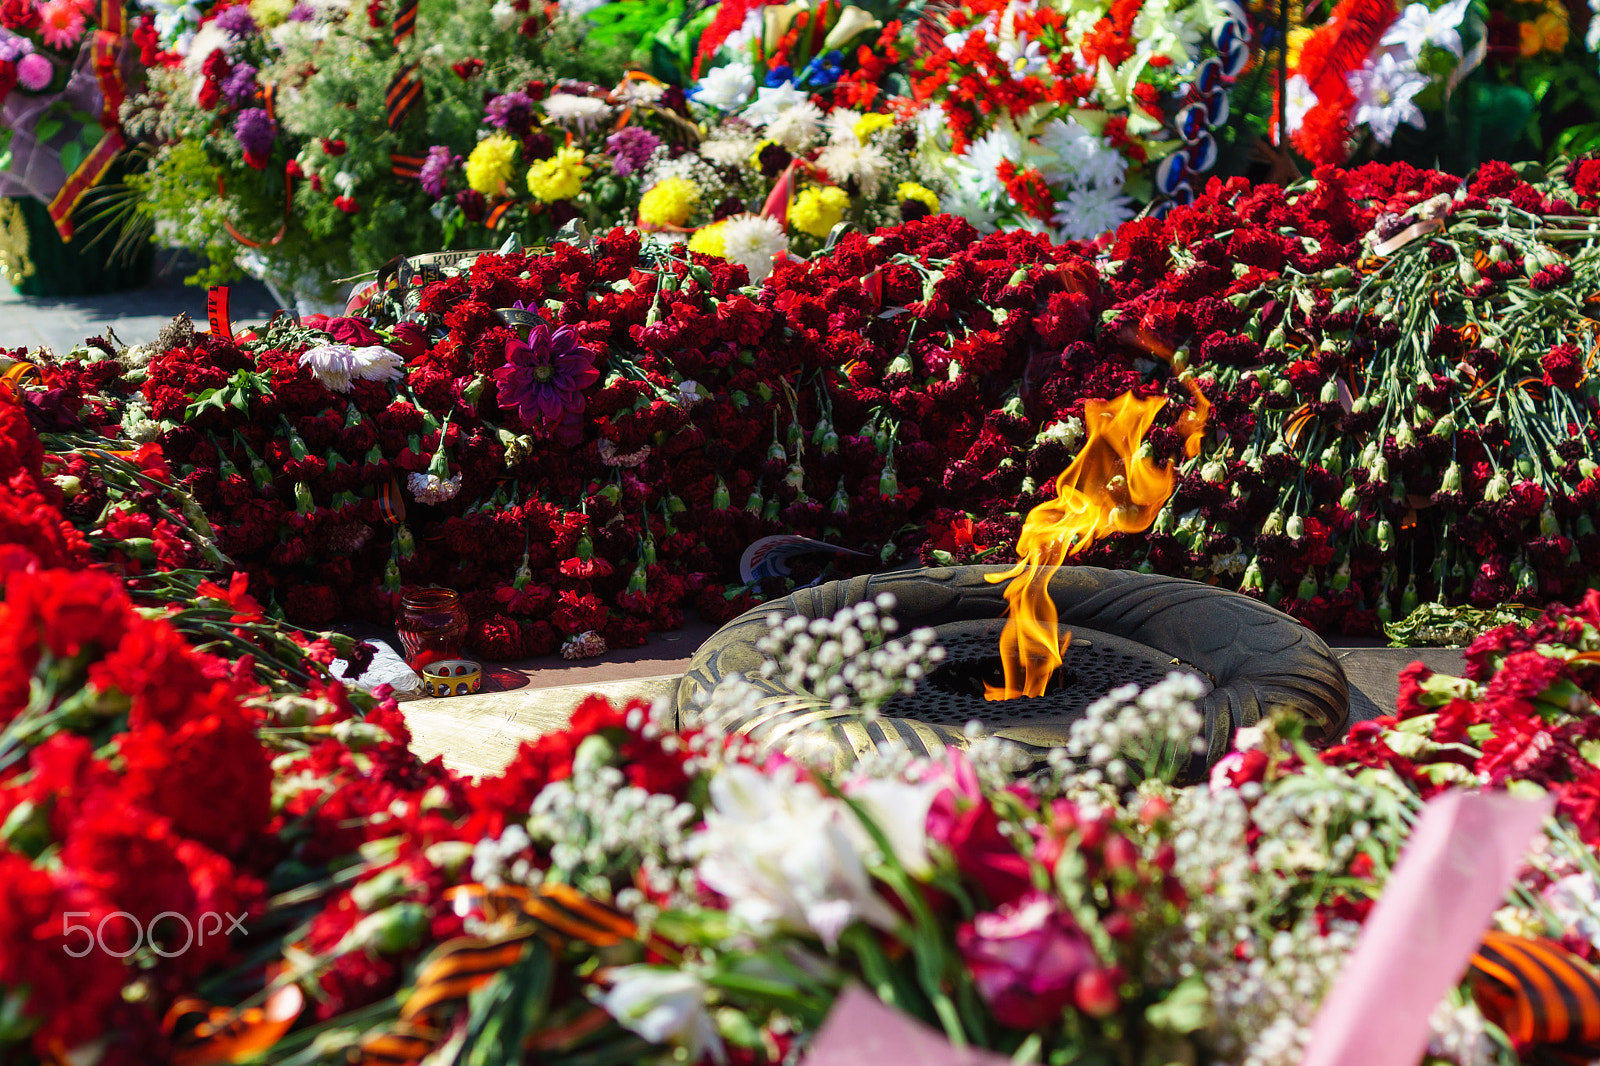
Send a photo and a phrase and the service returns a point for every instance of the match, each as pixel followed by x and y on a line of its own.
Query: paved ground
pixel 136 316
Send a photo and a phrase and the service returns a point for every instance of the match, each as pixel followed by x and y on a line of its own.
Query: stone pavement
pixel 61 322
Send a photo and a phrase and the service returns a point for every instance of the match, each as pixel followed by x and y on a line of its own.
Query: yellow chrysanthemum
pixel 709 239
pixel 669 203
pixel 910 190
pixel 1297 40
pixel 867 125
pixel 560 177
pixel 489 165
pixel 817 210
pixel 270 13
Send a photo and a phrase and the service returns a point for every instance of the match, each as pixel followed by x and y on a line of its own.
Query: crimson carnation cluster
pixel 911 394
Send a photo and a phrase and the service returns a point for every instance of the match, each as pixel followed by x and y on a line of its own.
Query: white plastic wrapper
pixel 387 669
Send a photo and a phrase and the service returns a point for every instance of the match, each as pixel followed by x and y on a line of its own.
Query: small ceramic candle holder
pixel 451 677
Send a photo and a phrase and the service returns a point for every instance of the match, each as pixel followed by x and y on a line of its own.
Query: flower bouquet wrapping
pixel 65 66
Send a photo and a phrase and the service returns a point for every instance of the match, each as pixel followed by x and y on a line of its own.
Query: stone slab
pixel 1374 674
pixel 479 735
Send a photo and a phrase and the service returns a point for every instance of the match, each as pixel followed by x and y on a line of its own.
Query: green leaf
pixel 71 156
pixel 46 129
pixel 505 1010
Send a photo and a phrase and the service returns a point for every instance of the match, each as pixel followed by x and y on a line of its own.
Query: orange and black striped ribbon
pixel 391 504
pixel 406 167
pixel 104 49
pixel 1540 994
pixel 405 89
pixel 405 21
pixel 495 214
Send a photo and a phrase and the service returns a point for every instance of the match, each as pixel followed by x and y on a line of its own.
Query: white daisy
pixel 1419 26
pixel 1297 102
pixel 1087 213
pixel 841 125
pixel 725 88
pixel 639 91
pixel 1384 92
pixel 753 240
pixel 1021 57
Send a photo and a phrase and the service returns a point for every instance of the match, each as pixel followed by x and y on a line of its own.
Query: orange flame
pixel 1109 487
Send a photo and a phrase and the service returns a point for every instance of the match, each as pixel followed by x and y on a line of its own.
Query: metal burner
pixel 1095 663
pixel 1126 627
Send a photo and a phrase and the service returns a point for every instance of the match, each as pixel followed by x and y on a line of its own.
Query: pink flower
pixel 964 821
pixel 60 23
pixel 34 71
pixel 544 377
pixel 1027 958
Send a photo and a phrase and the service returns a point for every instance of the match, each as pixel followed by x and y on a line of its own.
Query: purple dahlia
pixel 544 376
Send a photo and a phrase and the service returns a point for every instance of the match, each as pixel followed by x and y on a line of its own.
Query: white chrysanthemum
pixel 1087 213
pixel 374 362
pixel 331 364
pixel 797 127
pixel 728 151
pixel 725 88
pixel 640 91
pixel 431 488
pixel 752 240
pixel 1081 158
pixel 841 126
pixel 206 40
pixel 966 199
pixel 985 155
pixel 504 15
pixel 770 100
pixel 865 163
pixel 584 112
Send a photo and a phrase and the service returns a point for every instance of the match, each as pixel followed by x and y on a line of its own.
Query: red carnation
pixel 496 638
pixel 1563 366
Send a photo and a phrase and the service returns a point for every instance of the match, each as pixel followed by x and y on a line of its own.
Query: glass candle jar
pixel 432 625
